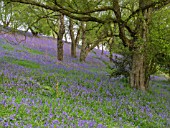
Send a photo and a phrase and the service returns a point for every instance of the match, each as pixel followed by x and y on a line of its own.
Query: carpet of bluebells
pixel 37 91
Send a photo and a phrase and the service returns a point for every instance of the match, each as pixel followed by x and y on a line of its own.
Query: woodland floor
pixel 36 90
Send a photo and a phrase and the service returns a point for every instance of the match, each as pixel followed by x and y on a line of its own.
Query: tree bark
pixel 59 39
pixel 74 40
pixel 73 43
pixel 83 56
pixel 65 37
pixel 102 52
pixel 137 75
pixel 140 74
pixel 77 37
pixel 83 53
pixel 111 42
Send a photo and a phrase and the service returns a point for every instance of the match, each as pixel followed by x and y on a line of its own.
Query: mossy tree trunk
pixel 60 39
pixel 83 53
pixel 137 75
pixel 140 74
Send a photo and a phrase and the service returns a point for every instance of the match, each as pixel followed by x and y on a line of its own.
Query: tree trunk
pixel 59 49
pixel 65 37
pixel 140 74
pixel 87 47
pixel 137 75
pixel 34 33
pixel 98 47
pixel 83 53
pixel 74 40
pixel 59 39
pixel 73 50
pixel 77 39
pixel 102 49
pixel 73 43
pixel 110 43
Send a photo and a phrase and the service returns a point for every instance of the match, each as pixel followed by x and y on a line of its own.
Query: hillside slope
pixel 48 45
pixel 36 90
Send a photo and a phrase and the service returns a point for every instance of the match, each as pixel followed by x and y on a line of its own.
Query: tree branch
pixel 81 16
pixel 155 5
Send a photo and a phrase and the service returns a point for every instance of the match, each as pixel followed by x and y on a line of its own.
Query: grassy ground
pixel 38 91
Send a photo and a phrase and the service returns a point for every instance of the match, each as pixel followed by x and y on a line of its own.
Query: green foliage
pixel 33 51
pixel 159 46
pixel 3 79
pixel 25 63
pixel 5 13
pixel 121 64
pixel 7 46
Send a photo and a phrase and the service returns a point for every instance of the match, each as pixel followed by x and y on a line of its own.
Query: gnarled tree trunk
pixel 137 74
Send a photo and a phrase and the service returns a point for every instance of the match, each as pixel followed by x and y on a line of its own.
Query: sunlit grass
pixel 33 51
pixel 25 63
pixel 7 46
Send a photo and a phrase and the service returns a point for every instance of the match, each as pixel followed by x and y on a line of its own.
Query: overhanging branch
pixel 78 15
pixel 155 5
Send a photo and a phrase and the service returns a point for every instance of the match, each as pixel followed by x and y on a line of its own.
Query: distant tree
pixel 110 31
pixel 92 36
pixel 74 35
